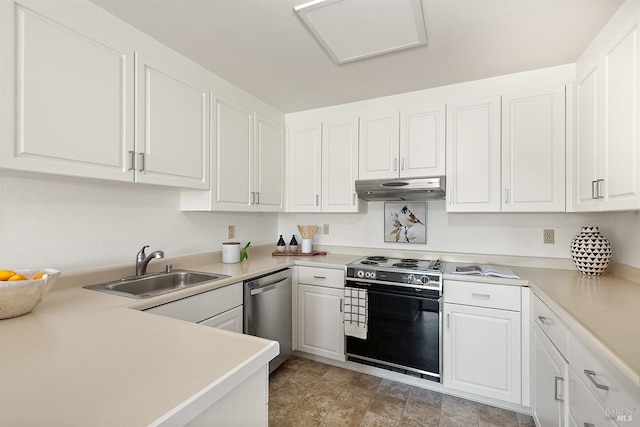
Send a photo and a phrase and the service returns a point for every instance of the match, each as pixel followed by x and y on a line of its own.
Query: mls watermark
pixel 620 414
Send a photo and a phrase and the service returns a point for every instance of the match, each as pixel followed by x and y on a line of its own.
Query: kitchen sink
pixel 155 284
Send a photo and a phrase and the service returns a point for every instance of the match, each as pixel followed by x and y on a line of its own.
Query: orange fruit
pixel 17 277
pixel 38 276
pixel 5 274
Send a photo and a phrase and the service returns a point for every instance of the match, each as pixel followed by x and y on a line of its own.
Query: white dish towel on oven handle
pixel 356 312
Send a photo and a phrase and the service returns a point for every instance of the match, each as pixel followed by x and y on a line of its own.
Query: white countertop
pixel 85 355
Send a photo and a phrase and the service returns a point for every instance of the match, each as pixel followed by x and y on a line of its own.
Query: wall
pixel 75 225
pixel 518 234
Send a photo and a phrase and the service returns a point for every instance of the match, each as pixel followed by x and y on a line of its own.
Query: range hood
pixel 412 189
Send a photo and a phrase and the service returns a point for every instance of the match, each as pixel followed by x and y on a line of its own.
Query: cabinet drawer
pixel 601 380
pixel 583 407
pixel 551 324
pixel 199 307
pixel 482 295
pixel 329 277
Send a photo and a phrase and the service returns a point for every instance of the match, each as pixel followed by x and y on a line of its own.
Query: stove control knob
pixel 425 280
pixel 370 275
pixel 412 279
pixel 360 273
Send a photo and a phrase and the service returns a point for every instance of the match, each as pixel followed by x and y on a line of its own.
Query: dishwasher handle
pixel 261 289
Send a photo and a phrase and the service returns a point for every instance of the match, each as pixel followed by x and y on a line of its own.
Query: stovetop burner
pixel 411 265
pixel 410 260
pixel 377 258
pixel 367 262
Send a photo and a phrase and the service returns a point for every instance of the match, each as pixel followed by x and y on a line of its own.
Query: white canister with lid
pixel 230 252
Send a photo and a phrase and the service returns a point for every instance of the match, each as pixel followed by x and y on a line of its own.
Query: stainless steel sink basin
pixel 152 285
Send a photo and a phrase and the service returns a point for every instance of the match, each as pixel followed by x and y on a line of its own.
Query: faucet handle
pixel 141 255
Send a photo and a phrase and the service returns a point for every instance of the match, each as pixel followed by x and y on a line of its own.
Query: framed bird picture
pixel 405 222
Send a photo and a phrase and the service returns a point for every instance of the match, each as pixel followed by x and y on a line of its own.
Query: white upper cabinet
pixel 73 111
pixel 379 142
pixel 473 155
pixel 408 144
pixel 422 142
pixel 533 151
pixel 607 155
pixel 232 182
pixel 323 167
pixel 507 153
pixel 304 162
pixel 172 141
pixel 339 166
pixel 269 166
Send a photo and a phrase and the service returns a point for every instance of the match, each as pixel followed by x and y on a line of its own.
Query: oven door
pixel 404 332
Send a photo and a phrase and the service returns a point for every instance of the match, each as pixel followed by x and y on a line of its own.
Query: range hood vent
pixel 413 189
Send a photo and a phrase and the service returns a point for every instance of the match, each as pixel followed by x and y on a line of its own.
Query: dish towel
pixel 356 312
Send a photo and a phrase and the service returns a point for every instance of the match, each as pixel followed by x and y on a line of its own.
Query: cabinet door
pixel 586 149
pixel 379 146
pixel 304 163
pixel 269 167
pixel 320 321
pixel 422 142
pixel 620 155
pixel 172 125
pixel 339 166
pixel 481 351
pixel 230 320
pixel 233 177
pixel 549 376
pixel 533 151
pixel 473 156
pixel 72 112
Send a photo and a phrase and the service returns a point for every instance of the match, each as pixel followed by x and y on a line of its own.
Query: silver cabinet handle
pixel 556 389
pixel 257 197
pixel 402 163
pixel 141 168
pixel 506 195
pixel 594 190
pixel 591 374
pixel 542 319
pixel 395 164
pixel 132 160
pixel 319 277
pixel 341 305
pixel 480 296
pixel 253 198
pixel 599 189
pixel 317 200
pixel 353 202
pixel 448 320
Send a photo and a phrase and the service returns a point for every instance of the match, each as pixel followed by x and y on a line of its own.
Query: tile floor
pixel 304 392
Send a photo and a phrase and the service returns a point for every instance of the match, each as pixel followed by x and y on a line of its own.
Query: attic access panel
pixel 355 29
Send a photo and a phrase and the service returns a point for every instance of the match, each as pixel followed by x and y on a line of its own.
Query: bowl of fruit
pixel 22 290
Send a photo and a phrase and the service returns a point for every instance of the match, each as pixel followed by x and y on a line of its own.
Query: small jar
pixel 281 246
pixel 293 244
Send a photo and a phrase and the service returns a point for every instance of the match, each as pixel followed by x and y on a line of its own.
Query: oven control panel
pixel 415 278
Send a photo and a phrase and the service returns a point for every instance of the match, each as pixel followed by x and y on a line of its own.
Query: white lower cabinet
pixel 482 339
pixel 549 376
pixel 320 317
pixel 219 308
pixel 230 320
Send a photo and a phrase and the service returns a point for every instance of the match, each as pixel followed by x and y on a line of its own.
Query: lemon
pixel 16 277
pixel 38 276
pixel 5 274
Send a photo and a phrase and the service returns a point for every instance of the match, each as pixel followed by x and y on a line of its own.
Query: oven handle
pixel 396 294
pixel 368 283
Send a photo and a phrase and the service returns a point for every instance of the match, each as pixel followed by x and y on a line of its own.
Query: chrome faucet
pixel 142 260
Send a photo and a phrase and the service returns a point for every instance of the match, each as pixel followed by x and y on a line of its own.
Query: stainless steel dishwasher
pixel 267 311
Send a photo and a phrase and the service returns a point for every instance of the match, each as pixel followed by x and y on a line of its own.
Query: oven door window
pixel 402 330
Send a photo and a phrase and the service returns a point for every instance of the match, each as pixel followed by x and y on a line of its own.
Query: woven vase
pixel 591 251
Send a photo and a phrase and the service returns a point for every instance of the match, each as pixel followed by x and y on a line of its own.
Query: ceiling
pixel 263 47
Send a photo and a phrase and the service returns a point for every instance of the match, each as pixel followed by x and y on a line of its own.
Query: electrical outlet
pixel 325 229
pixel 548 235
pixel 231 231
